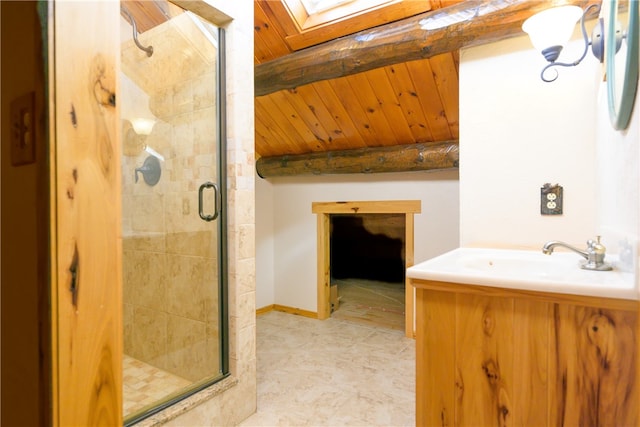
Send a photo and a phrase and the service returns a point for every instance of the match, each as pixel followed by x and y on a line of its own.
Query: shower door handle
pixel 216 205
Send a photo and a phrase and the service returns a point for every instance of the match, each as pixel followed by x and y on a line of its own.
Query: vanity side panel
pixel 596 366
pixel 484 360
pixel 532 339
pixel 619 396
pixel 435 366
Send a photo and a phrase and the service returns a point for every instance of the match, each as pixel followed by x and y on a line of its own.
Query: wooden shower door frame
pixel 323 209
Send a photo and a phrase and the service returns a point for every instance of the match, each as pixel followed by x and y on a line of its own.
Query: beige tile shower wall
pixel 238 402
pixel 170 254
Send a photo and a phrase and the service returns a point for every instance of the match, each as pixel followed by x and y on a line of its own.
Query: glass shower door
pixel 173 216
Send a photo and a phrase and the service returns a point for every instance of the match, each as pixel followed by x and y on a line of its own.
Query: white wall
pixel 265 240
pixel 518 133
pixel 294 226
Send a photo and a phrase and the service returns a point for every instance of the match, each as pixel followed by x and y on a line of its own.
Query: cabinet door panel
pixel 484 360
pixel 596 363
pixel 531 335
pixel 435 373
pixel 519 361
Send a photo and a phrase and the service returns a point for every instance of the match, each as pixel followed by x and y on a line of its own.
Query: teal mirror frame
pixel 620 108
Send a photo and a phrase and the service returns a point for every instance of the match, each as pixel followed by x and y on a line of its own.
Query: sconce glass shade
pixel 143 126
pixel 552 28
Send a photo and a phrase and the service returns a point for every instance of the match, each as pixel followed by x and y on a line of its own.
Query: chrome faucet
pixel 594 254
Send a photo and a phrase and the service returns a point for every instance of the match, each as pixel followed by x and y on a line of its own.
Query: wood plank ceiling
pixel 405 103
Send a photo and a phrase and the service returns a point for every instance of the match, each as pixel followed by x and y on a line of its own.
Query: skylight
pixel 316 6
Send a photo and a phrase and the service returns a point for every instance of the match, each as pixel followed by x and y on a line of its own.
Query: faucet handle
pixel 596 246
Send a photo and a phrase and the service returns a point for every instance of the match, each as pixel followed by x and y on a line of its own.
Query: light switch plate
pixel 23 130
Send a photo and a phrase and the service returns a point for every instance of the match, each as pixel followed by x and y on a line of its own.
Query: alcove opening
pixel 367 268
pixel 324 210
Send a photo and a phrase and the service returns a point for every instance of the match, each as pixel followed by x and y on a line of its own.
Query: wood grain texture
pixel 484 362
pixel 585 300
pixel 268 41
pixel 87 286
pixel 204 10
pixel 437 386
pixel 338 89
pixel 433 107
pixel 377 108
pixel 295 29
pixel 324 266
pixel 366 207
pixel 331 103
pixel 596 365
pixel 403 85
pixel 372 105
pixel 409 292
pixel 531 339
pixel 295 310
pixel 398 158
pixel 147 15
pixel 412 103
pixel 396 42
pixel 338 22
pixel 525 362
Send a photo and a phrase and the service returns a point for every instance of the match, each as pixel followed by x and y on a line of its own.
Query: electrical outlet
pixel 551 199
pixel 23 130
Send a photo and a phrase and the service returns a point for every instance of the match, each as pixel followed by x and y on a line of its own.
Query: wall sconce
pixel 135 133
pixel 551 29
pixel 142 126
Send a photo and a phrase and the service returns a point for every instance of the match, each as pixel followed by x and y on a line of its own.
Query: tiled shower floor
pixel 145 384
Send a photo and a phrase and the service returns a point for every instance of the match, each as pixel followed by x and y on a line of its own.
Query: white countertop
pixel 527 270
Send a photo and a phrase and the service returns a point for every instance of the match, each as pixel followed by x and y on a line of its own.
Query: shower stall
pixel 173 205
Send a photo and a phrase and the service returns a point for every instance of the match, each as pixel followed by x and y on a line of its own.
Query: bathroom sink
pixel 520 263
pixel 526 269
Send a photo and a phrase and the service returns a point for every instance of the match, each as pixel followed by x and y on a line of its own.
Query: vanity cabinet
pixel 491 356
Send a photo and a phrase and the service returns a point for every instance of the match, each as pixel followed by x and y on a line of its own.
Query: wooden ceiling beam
pixel 469 23
pixel 398 158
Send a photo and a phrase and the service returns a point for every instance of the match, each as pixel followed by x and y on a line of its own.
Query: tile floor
pixel 144 384
pixel 332 373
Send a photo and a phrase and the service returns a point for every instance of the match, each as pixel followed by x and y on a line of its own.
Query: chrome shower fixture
pixel 149 49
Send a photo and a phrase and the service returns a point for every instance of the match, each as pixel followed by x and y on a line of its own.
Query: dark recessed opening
pixel 367 265
pixel 367 246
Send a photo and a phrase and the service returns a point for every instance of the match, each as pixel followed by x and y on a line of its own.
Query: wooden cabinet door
pixel 495 361
pixel 85 213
